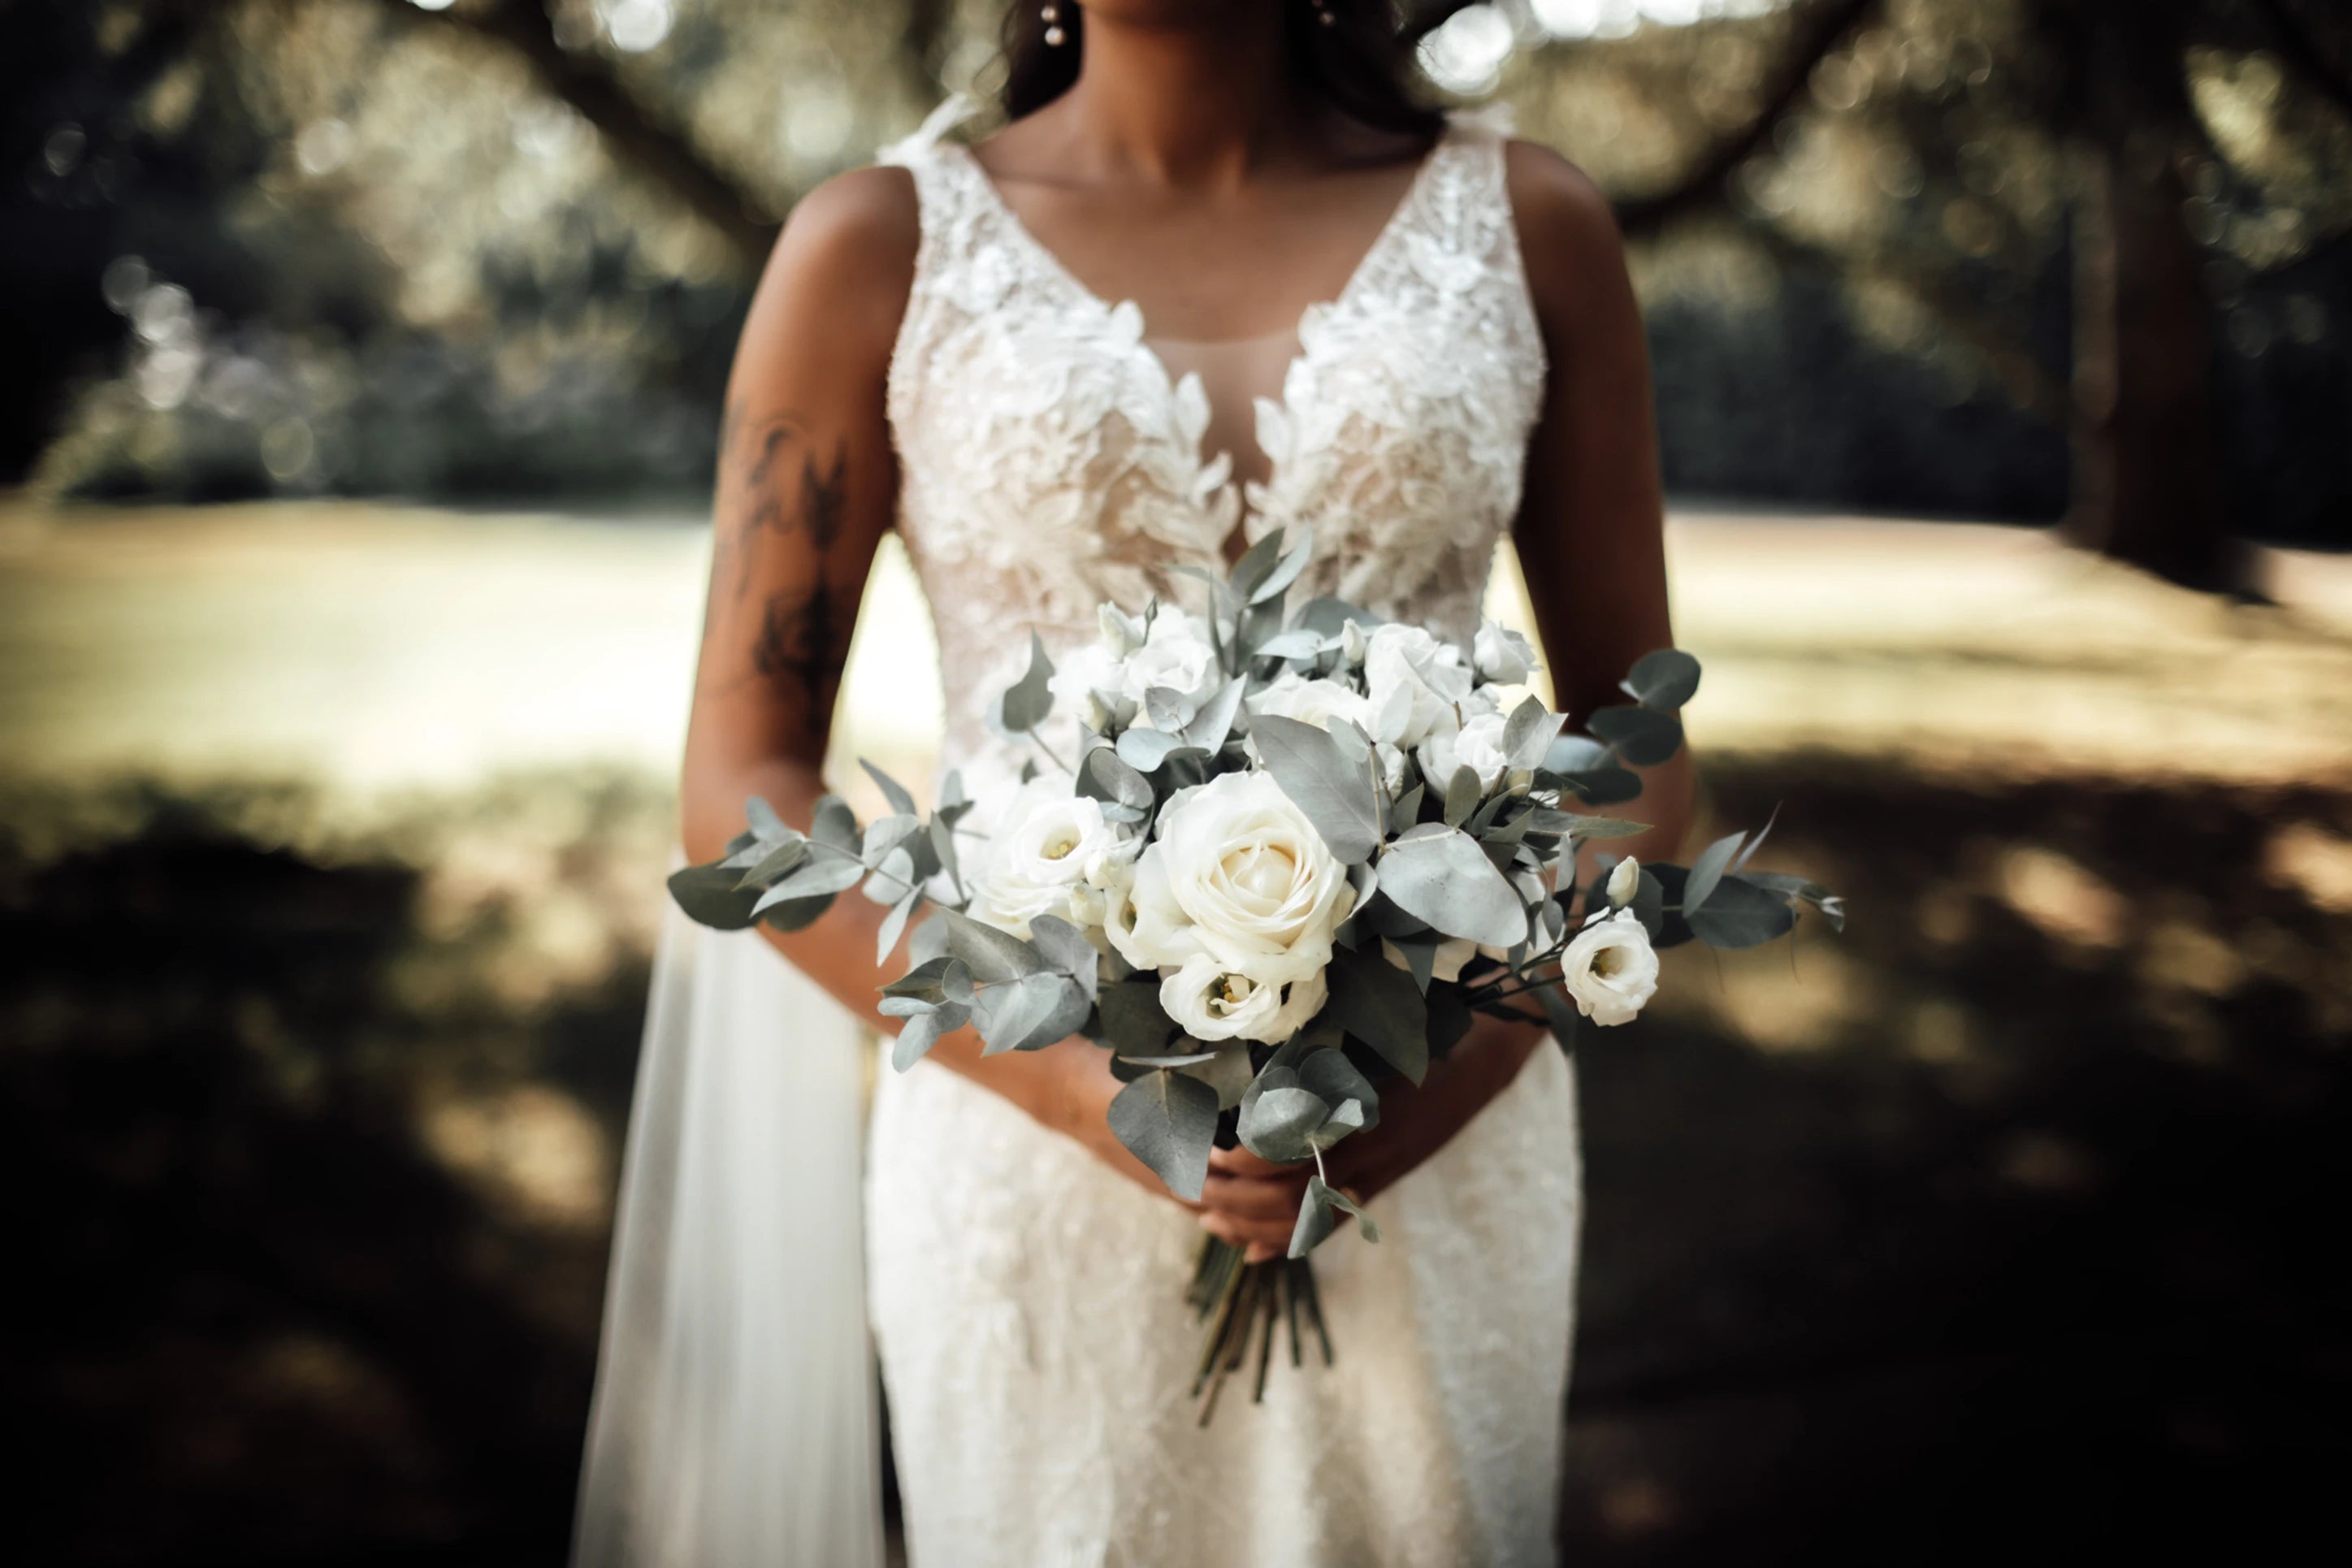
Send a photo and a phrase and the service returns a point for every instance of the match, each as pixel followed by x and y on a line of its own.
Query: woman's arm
pixel 1589 535
pixel 807 484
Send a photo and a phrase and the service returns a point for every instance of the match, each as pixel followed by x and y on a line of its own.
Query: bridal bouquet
pixel 1272 862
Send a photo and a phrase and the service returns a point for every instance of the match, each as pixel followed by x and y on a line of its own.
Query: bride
pixel 1221 273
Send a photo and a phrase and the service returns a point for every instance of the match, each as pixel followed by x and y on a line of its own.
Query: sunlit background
pixel 359 376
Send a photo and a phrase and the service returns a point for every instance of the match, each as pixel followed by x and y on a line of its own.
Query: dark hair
pixel 1361 62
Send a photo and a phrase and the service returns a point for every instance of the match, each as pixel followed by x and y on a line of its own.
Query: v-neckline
pixel 1072 284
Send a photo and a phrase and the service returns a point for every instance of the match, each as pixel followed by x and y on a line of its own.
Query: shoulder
pixel 1568 238
pixel 844 261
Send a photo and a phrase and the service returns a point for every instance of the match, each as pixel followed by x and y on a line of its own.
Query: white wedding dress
pixel 1027 1300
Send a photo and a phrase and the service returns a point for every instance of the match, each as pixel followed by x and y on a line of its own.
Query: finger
pixel 1247 1233
pixel 1239 1162
pixel 1251 1199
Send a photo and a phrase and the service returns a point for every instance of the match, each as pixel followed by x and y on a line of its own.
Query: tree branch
pixel 636 133
pixel 1644 216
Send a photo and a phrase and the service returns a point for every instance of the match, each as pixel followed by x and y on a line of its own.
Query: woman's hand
pixel 1254 1204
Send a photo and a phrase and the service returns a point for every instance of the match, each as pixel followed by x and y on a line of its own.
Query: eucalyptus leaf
pixel 1028 701
pixel 922 981
pixel 1215 721
pixel 993 954
pixel 1315 1218
pixel 710 896
pixel 894 925
pixel 1461 792
pixel 1740 914
pixel 886 834
pixel 1707 870
pixel 1226 1072
pixel 1643 736
pixel 774 860
pixel 1144 749
pixel 1527 733
pixel 822 875
pixel 923 1032
pixel 1377 1003
pixel 1066 950
pixel 1602 786
pixel 1170 1123
pixel 1340 1200
pixel 1664 680
pixel 835 824
pixel 1254 566
pixel 1278 1124
pixel 798 914
pixel 897 794
pixel 1168 708
pixel 1337 799
pixel 1560 1011
pixel 1331 1078
pixel 1300 644
pixel 1287 569
pixel 929 940
pixel 1446 880
pixel 1029 1013
pixel 1132 1020
pixel 1406 810
pixel 1104 776
pixel 764 821
pixel 1325 614
pixel 1348 1118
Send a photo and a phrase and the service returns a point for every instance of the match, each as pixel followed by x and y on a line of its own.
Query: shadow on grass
pixel 2008 1223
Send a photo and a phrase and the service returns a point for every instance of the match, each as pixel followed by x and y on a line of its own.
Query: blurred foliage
pixel 461 247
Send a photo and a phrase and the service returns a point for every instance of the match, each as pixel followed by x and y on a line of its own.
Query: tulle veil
pixel 734 1422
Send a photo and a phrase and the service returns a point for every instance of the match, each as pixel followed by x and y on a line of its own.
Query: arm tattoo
pixel 756 452
pixel 803 635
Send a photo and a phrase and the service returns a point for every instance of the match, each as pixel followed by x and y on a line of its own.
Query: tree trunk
pixel 2147 486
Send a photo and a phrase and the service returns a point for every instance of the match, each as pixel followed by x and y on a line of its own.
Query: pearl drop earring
pixel 1051 15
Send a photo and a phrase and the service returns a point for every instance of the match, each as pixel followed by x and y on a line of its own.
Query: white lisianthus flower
pixel 1414 681
pixel 1083 671
pixel 1176 655
pixel 1503 655
pixel 1624 878
pixel 1393 761
pixel 1038 853
pixel 1610 969
pixel 1316 702
pixel 1476 745
pixel 1354 642
pixel 1210 1001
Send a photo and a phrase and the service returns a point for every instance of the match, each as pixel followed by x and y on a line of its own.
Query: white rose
pixel 1624 878
pixel 1413 680
pixel 1476 745
pixel 1039 851
pixel 1611 969
pixel 1210 1000
pixel 1238 874
pixel 1316 702
pixel 1177 656
pixel 1502 654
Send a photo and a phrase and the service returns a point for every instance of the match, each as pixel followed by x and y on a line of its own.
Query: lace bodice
pixel 1049 462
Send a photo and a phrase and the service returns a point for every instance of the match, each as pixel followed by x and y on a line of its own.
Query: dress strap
pixel 923 142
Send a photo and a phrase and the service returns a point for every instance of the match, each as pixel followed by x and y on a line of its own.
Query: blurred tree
pixel 1948 160
pixel 1939 153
